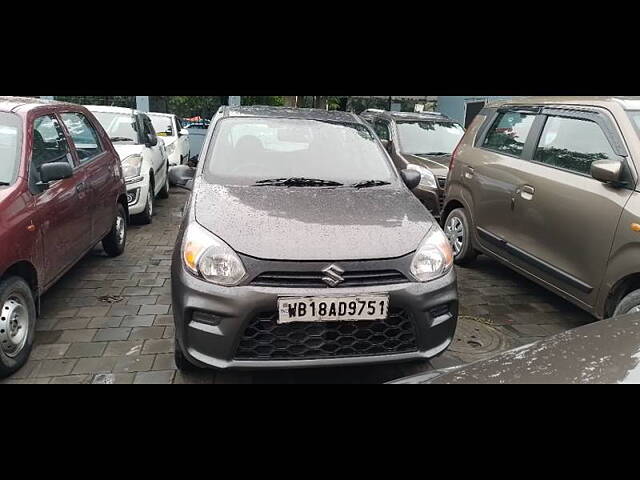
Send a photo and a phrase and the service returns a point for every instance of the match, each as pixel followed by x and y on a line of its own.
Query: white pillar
pixel 142 104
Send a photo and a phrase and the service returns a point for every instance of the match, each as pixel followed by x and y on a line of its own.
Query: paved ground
pixel 82 338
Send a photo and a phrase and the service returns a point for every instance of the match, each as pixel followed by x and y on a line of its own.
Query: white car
pixel 145 163
pixel 175 136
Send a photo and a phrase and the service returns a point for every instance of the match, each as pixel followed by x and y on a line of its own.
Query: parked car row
pixel 62 190
pixel 70 177
pixel 306 241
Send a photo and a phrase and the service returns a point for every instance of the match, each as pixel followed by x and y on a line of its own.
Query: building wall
pixel 454 106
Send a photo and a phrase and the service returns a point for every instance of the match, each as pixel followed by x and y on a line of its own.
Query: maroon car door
pixel 98 164
pixel 63 209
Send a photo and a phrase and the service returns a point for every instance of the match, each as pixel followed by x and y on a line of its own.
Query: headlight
pixel 433 258
pixel 131 166
pixel 207 256
pixel 427 179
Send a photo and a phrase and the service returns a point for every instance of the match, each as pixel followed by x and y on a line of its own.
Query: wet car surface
pixel 109 320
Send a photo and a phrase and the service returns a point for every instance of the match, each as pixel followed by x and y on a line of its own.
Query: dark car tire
pixel 146 217
pixel 116 240
pixel 164 193
pixel 16 289
pixel 458 231
pixel 629 303
pixel 181 361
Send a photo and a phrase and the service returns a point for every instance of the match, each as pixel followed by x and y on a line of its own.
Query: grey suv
pixel 422 142
pixel 302 245
pixel 549 186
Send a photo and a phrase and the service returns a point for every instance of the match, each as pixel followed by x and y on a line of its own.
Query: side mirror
pixel 607 171
pixel 184 132
pixel 182 176
pixel 152 140
pixel 411 178
pixel 51 172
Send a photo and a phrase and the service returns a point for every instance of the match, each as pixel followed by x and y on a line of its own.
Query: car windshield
pixel 429 137
pixel 120 127
pixel 10 148
pixel 292 152
pixel 162 125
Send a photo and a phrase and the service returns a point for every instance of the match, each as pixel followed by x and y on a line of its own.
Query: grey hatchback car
pixel 302 245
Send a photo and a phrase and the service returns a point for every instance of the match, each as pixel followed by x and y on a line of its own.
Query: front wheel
pixel 114 243
pixel 457 229
pixel 629 304
pixel 17 324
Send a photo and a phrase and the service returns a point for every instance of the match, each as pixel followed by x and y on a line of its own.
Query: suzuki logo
pixel 333 275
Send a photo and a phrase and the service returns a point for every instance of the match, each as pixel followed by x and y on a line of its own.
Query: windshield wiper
pixel 435 154
pixel 369 183
pixel 4 184
pixel 297 182
pixel 121 139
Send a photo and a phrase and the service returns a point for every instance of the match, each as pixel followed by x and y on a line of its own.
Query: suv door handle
pixel 527 192
pixel 469 172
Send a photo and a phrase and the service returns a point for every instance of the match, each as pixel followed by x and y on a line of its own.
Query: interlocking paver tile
pixel 95 365
pixel 124 348
pixel 105 322
pixel 158 346
pixel 49 351
pixel 155 377
pixel 110 334
pixel 140 363
pixel 145 333
pixel 74 336
pixel 80 350
pixel 154 310
pixel 138 321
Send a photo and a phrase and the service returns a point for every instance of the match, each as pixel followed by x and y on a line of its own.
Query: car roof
pixel 627 103
pixel 286 112
pixel 407 115
pixel 13 104
pixel 108 109
pixel 159 114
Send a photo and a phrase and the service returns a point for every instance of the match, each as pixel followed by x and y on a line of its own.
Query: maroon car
pixel 61 192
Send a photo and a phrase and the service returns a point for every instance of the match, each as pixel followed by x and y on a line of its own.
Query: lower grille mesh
pixel 264 339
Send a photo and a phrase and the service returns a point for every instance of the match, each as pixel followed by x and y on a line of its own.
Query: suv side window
pixel 382 129
pixel 83 134
pixel 509 133
pixel 572 144
pixel 49 145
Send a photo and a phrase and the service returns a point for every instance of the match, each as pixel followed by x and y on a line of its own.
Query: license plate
pixel 321 309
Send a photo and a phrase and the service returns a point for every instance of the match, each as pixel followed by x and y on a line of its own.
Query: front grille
pixel 442 182
pixel 314 279
pixel 264 339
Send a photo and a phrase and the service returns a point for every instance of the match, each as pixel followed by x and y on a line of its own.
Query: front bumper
pixel 214 344
pixel 137 194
